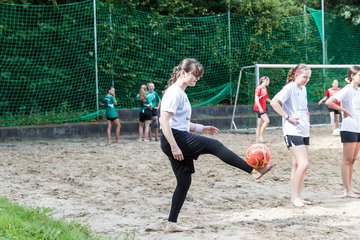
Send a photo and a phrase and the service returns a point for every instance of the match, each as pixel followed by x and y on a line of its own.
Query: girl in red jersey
pixel 261 97
pixel 334 114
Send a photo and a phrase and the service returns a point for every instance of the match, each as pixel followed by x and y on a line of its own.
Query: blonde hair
pixel 188 65
pixel 300 68
pixel 150 83
pixel 262 79
pixel 142 93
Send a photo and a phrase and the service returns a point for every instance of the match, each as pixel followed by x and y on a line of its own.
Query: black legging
pixel 184 169
pixel 218 149
pixel 183 184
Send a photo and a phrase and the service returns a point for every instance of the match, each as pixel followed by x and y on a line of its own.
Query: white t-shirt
pixel 175 100
pixel 350 100
pixel 294 103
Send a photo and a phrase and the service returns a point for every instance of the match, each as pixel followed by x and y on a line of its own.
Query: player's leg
pixel 117 129
pixel 155 123
pixel 150 132
pixel 141 131
pixel 298 147
pixel 300 166
pixel 265 122
pixel 195 145
pixel 332 120
pixel 355 190
pixel 218 149
pixel 350 151
pixel 303 180
pixel 108 130
pixel 337 120
pixel 258 127
pixel 183 182
pixel 259 122
pixel 147 116
pixel 141 125
pixel 182 171
pixel 147 129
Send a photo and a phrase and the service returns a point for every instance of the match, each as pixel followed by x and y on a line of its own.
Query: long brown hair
pixel 300 68
pixel 188 65
pixel 142 93
pixel 353 70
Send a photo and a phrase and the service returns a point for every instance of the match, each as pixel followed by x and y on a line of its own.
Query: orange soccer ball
pixel 258 155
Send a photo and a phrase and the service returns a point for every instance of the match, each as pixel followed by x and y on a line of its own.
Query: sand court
pixel 123 191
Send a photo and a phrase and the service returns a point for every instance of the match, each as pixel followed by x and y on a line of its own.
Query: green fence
pixel 57 61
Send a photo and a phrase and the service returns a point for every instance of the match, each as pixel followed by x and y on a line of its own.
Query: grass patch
pixel 17 222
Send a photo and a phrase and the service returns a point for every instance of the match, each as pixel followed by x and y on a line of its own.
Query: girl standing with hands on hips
pixel 349 96
pixel 291 104
pixel 180 145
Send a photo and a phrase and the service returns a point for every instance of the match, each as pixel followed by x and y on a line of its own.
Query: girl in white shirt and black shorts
pixel 291 104
pixel 180 145
pixel 350 127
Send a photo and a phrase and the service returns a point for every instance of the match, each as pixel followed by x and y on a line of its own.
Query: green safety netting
pixel 53 70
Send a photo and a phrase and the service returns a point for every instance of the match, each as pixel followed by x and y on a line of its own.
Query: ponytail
pixel 293 72
pixel 173 76
pixel 142 93
pixel 290 76
pixel 188 65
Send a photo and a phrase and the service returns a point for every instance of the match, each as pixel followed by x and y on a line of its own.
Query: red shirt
pixel 332 91
pixel 263 96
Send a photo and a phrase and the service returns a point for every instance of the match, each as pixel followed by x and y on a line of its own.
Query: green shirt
pixel 153 97
pixel 143 105
pixel 110 102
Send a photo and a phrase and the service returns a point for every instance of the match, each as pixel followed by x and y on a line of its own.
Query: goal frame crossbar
pixel 257 77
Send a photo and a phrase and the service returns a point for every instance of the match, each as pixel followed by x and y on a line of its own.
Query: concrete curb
pixel 219 116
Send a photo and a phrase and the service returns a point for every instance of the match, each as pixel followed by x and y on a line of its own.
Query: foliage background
pixel 47 57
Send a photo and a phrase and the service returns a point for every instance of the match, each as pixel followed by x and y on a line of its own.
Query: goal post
pixel 257 73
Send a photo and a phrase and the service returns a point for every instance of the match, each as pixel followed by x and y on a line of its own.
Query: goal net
pixel 321 79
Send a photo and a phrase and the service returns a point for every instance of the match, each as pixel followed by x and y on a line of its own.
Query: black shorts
pixel 260 113
pixel 112 119
pixel 154 112
pixel 191 145
pixel 291 141
pixel 349 136
pixel 145 115
pixel 333 110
